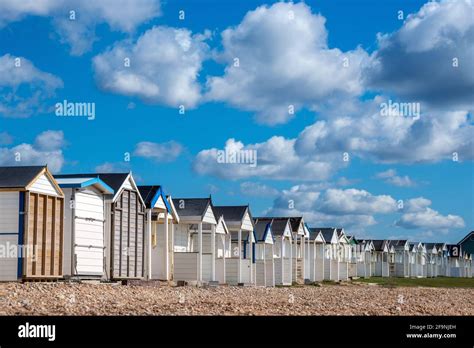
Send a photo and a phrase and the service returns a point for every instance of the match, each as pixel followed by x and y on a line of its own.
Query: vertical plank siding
pixel 128 234
pixel 44 236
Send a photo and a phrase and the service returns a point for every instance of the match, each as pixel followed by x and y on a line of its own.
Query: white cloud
pixel 276 160
pixel 365 133
pixel 429 219
pixel 24 88
pixel 323 206
pixel 417 214
pixel 390 176
pixel 416 62
pixel 417 204
pixel 160 152
pixel 120 15
pixel 257 189
pixel 113 167
pixel 40 153
pixel 283 59
pixel 164 67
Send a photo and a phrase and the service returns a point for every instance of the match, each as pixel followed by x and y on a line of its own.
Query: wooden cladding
pixel 127 238
pixel 44 236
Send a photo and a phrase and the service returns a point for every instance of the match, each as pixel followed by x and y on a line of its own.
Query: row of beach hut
pixel 105 226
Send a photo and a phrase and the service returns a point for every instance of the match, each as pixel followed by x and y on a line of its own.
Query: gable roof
pixel 261 228
pixel 231 213
pixel 18 177
pixel 192 206
pixel 278 224
pixel 466 237
pixel 380 244
pixel 314 233
pixel 327 233
pixel 151 193
pixel 295 222
pixel 79 182
pixel 114 180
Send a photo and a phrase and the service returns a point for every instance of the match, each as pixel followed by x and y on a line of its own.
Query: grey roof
pixel 18 177
pixel 339 231
pixel 325 231
pixel 295 222
pixel 278 224
pixel 231 213
pixel 379 244
pixel 313 233
pixel 114 180
pixel 192 206
pixel 466 237
pixel 148 192
pixel 260 227
pixel 398 242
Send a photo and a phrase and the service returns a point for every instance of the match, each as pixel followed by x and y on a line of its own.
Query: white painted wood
pixel 213 252
pixel 89 232
pixel 9 257
pixel 44 185
pixel 200 253
pixel 209 216
pixel 239 267
pixel 9 211
pixel 247 224
pixel 186 266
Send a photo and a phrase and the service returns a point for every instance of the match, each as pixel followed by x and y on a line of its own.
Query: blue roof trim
pixel 87 183
pixel 160 193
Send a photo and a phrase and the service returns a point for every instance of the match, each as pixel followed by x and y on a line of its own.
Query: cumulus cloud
pixel 283 59
pixel 418 214
pixel 161 67
pixel 257 189
pixel 47 149
pixel 416 62
pixel 351 208
pixel 430 219
pixel 276 159
pixel 79 32
pixel 160 152
pixel 365 133
pixel 390 176
pixel 24 88
pixel 113 167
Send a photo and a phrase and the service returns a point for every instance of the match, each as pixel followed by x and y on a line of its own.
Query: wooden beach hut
pixel 31 224
pixel 299 236
pixel 124 225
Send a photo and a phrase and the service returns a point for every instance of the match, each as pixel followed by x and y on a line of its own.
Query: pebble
pixel 111 299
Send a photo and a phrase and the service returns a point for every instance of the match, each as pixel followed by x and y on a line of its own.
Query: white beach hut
pixel 85 226
pixel 161 219
pixel 316 255
pixel 240 264
pixel 194 241
pixel 264 251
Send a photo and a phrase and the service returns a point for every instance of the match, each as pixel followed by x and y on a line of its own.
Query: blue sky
pixel 401 180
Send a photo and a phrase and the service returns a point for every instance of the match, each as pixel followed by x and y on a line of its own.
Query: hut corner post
pixel 166 248
pixel 200 253
pixel 149 223
pixel 213 253
pixel 239 264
